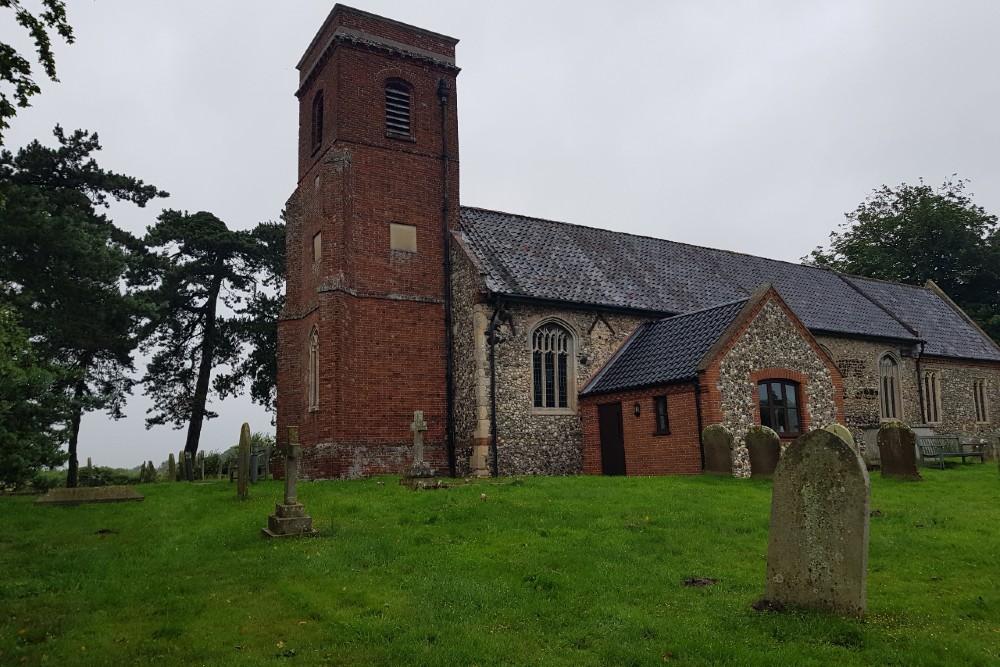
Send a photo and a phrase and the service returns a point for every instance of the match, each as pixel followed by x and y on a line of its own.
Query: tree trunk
pixel 204 375
pixel 73 474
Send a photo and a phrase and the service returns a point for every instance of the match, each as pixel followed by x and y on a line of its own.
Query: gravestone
pixel 843 433
pixel 201 465
pixel 764 449
pixel 718 446
pixel 143 475
pixel 243 463
pixel 151 475
pixel 419 475
pixel 290 517
pixel 817 552
pixel 181 465
pixel 171 468
pixel 188 466
pixel 896 450
pixel 90 472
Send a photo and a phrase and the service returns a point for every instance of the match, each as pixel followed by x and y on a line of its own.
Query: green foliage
pixel 29 408
pixel 552 571
pixel 62 265
pixel 912 233
pixel 200 271
pixel 15 69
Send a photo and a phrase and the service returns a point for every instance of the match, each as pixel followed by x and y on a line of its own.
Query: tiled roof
pixel 945 331
pixel 542 259
pixel 665 351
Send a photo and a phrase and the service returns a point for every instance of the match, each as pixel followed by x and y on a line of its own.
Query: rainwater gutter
pixel 443 92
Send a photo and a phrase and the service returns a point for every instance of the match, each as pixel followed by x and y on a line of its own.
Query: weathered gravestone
pixel 201 465
pixel 764 449
pixel 718 445
pixel 188 466
pixel 90 472
pixel 171 468
pixel 817 552
pixel 243 463
pixel 897 452
pixel 290 517
pixel 842 432
pixel 419 475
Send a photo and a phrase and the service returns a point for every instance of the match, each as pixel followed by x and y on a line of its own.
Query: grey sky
pixel 749 126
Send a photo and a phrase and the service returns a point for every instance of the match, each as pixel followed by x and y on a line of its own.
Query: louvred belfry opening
pixel 397 107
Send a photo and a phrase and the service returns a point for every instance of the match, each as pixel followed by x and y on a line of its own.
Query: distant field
pixel 553 571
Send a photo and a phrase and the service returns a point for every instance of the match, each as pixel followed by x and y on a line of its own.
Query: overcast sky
pixel 748 126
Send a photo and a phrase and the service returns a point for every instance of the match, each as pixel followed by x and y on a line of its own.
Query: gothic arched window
pixel 932 397
pixel 313 380
pixel 553 380
pixel 888 373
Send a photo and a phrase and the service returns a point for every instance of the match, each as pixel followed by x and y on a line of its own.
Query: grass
pixel 554 571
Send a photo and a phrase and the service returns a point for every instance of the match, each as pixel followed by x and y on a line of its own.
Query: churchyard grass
pixel 553 571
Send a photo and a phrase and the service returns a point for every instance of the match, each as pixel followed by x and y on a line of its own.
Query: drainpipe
pixel 920 384
pixel 495 466
pixel 697 411
pixel 442 92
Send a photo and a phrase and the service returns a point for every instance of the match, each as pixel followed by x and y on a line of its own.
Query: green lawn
pixel 554 571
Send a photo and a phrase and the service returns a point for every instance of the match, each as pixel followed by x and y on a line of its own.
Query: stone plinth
pixel 419 476
pixel 289 520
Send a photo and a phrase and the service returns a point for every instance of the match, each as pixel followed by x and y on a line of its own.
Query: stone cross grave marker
pixel 817 552
pixel 171 468
pixel 243 463
pixel 418 427
pixel 419 475
pixel 897 451
pixel 290 517
pixel 718 442
pixel 764 449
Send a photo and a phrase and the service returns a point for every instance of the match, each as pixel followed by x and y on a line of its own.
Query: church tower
pixel 362 342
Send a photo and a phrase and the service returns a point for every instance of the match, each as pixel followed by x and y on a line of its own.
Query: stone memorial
pixel 90 472
pixel 201 466
pixel 151 475
pixel 290 517
pixel 718 444
pixel 897 451
pixel 764 449
pixel 243 463
pixel 817 552
pixel 419 475
pixel 171 468
pixel 843 433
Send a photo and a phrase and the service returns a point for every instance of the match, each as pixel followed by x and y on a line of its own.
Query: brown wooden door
pixel 609 419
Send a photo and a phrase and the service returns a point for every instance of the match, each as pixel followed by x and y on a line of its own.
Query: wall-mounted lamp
pixel 636 409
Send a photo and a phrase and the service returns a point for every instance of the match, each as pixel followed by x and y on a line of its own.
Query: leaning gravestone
pixel 764 449
pixel 718 443
pixel 817 552
pixel 896 450
pixel 171 468
pixel 243 463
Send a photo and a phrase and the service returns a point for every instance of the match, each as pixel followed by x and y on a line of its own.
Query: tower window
pixel 316 133
pixel 397 107
pixel 317 247
pixel 402 237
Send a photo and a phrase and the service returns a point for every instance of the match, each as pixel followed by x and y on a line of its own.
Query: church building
pixel 541 347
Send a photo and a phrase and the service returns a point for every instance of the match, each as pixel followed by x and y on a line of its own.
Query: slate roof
pixel 665 351
pixel 541 259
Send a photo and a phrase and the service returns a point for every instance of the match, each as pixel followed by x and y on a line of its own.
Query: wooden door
pixel 609 419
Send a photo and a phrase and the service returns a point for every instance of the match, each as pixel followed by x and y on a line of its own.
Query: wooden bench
pixel 948 446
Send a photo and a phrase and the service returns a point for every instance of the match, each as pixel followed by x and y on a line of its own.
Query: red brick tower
pixel 362 342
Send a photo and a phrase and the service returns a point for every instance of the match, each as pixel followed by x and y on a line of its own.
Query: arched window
pixel 316 132
pixel 779 406
pixel 553 380
pixel 888 372
pixel 932 397
pixel 313 380
pixel 397 107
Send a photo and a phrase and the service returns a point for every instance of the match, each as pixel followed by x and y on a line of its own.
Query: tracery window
pixel 313 380
pixel 932 397
pixel 979 396
pixel 397 107
pixel 553 382
pixel 888 371
pixel 779 406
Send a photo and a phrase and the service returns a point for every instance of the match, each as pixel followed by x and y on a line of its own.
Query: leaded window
pixel 551 353
pixel 932 397
pixel 779 406
pixel 979 396
pixel 660 412
pixel 888 371
pixel 397 107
